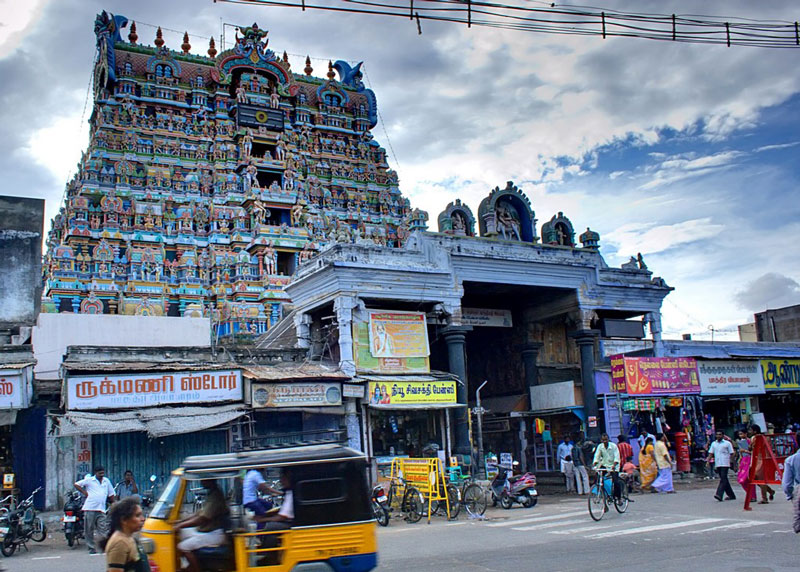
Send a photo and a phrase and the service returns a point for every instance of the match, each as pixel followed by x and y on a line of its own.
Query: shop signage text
pixel 486 317
pixel 296 394
pixel 15 389
pixel 83 456
pixel 148 390
pixel 781 373
pixel 411 392
pixel 654 376
pixel 730 377
pixel 350 390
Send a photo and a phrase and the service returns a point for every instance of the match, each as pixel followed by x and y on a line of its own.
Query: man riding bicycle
pixel 606 457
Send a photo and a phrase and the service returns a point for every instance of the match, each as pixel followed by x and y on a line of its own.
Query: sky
pixel 684 153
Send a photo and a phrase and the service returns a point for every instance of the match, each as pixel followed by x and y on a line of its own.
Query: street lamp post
pixel 479 413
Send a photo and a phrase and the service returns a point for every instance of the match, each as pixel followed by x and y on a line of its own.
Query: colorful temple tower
pixel 208 180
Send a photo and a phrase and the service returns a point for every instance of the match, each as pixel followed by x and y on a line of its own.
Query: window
pixel 302 99
pixel 332 100
pixel 199 82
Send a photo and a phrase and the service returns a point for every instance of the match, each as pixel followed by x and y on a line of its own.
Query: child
pixel 568 468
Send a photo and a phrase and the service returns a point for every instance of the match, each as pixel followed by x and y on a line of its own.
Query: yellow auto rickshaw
pixel 333 527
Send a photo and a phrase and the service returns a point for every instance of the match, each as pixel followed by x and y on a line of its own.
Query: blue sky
pixel 685 153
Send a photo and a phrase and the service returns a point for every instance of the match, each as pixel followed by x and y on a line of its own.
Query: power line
pixel 570 20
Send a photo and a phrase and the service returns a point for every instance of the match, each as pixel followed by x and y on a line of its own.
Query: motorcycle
pixel 380 505
pixel 520 489
pixel 73 518
pixel 21 525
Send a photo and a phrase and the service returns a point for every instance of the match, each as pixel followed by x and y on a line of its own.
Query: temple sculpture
pixel 208 179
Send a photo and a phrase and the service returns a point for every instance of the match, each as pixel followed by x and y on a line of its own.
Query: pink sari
pixel 743 476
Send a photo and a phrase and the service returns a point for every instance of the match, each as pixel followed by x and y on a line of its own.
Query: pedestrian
pixel 663 482
pixel 98 491
pixel 123 551
pixel 766 490
pixel 648 470
pixel 569 473
pixel 127 487
pixel 563 451
pixel 743 476
pixel 644 434
pixel 721 452
pixel 791 478
pixel 625 449
pixel 579 462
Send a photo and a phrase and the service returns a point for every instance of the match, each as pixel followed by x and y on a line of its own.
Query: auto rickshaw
pixel 333 527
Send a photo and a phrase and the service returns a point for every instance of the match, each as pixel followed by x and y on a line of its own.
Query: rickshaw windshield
pixel 166 501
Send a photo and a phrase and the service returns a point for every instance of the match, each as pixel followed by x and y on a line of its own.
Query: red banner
pixel 654 375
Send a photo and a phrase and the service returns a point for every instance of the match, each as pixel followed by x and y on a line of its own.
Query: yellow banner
pixel 781 373
pixel 411 392
pixel 398 334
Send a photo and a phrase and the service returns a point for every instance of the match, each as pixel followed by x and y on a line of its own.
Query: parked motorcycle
pixel 520 489
pixel 21 525
pixel 73 517
pixel 380 505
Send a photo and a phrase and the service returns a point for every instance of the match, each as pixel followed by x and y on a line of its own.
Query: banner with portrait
pixel 391 342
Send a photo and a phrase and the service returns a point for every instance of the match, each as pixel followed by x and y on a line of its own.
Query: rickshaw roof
pixel 199 464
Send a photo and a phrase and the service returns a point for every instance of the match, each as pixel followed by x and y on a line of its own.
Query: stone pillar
pixel 654 319
pixel 585 340
pixel 530 353
pixel 343 306
pixel 302 325
pixel 352 424
pixel 455 337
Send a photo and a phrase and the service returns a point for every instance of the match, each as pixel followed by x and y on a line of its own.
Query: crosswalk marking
pixel 584 529
pixel 536 519
pixel 549 525
pixel 656 527
pixel 746 524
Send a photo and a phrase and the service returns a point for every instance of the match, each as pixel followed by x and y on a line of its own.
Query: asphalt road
pixel 682 532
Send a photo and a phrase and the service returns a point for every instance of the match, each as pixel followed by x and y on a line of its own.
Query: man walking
pixel 721 452
pixel 98 491
pixel 791 478
pixel 579 462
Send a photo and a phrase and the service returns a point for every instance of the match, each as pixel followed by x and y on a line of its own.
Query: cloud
pixel 770 290
pixel 649 238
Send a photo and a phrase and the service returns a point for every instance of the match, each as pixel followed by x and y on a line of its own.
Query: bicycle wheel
pixel 413 505
pixel 453 500
pixel 621 504
pixel 474 500
pixel 597 502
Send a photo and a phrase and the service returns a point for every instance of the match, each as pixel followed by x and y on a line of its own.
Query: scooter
pixel 73 518
pixel 21 525
pixel 520 489
pixel 380 505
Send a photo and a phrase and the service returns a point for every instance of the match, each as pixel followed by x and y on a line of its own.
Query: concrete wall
pixel 781 325
pixel 21 228
pixel 54 332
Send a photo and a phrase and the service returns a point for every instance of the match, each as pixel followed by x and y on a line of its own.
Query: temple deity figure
pixel 298 214
pixel 280 150
pixel 247 144
pixel 241 94
pixel 274 99
pixel 269 259
pixel 508 221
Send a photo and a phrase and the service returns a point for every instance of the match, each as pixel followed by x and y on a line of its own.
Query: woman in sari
pixel 647 464
pixel 743 476
pixel 663 482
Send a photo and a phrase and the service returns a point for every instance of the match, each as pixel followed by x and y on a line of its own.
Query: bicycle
pixel 600 496
pixel 471 495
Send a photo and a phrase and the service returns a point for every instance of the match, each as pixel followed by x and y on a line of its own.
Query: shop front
pixel 781 403
pixel 21 427
pixel 295 412
pixel 730 390
pixel 148 421
pixel 408 416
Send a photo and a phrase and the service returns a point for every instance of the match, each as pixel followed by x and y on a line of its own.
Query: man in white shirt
pixel 253 483
pixel 722 451
pixel 98 491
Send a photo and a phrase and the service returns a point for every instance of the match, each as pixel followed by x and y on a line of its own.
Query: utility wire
pixel 569 20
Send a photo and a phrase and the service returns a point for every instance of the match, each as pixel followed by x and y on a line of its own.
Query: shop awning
pixel 577 410
pixel 156 422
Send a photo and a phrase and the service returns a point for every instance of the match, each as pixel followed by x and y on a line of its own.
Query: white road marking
pixel 584 529
pixel 455 523
pixel 746 524
pixel 536 519
pixel 549 525
pixel 46 558
pixel 655 527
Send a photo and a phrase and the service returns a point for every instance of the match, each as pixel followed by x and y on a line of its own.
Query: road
pixel 686 531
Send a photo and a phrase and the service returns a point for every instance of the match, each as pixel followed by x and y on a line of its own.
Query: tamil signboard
pixel 131 391
pixel 313 394
pixel 256 116
pixel 730 377
pixel 781 373
pixel 391 342
pixel 351 390
pixel 486 317
pixel 654 375
pixel 16 388
pixel 401 393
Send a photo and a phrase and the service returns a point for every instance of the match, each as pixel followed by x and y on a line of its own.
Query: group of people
pixel 655 463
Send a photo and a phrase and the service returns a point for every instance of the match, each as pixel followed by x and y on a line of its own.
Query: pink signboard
pixel 654 376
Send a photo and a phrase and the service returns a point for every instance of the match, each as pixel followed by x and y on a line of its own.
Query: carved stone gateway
pixel 507 214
